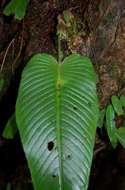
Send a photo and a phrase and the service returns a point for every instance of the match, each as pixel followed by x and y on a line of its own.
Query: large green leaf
pixel 57 114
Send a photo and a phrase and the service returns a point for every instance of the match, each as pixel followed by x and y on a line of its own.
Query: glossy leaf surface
pixel 57 114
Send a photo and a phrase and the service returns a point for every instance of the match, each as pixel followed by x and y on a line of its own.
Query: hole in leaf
pixel 75 108
pixel 54 175
pixel 50 145
pixel 69 157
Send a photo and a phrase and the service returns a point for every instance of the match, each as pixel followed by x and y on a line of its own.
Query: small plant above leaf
pixel 16 7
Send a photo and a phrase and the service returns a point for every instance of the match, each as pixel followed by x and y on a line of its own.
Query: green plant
pixel 57 113
pixel 16 7
pixel 117 105
pixel 115 109
pixel 122 100
pixel 10 128
pixel 110 125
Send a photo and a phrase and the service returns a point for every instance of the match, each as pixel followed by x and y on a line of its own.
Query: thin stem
pixel 5 55
pixel 59 49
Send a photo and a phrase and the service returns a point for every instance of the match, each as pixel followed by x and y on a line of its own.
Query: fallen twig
pixel 5 55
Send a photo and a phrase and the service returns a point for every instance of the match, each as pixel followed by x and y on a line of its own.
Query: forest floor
pixel 102 38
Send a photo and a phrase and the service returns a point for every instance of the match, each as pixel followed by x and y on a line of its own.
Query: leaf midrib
pixel 58 125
